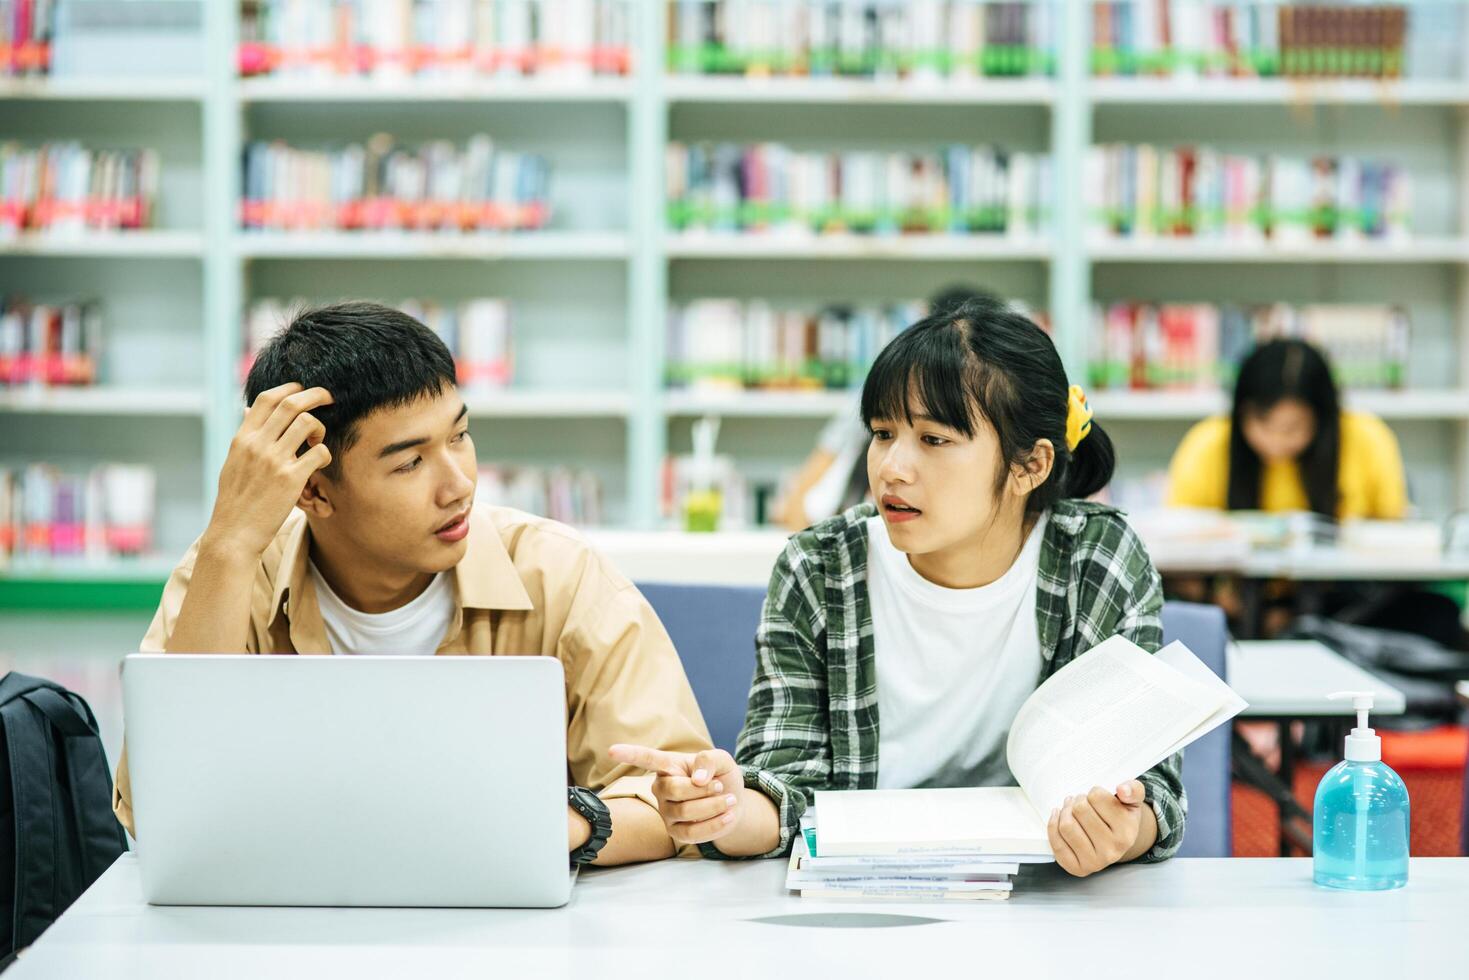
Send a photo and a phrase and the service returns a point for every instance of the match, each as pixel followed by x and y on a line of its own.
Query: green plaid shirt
pixel 812 720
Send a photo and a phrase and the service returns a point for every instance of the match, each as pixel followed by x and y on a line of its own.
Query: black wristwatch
pixel 595 812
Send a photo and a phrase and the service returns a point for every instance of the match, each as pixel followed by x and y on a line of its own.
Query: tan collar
pixel 485 577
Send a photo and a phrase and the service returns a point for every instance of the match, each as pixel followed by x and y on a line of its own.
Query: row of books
pixel 382 184
pixel 566 494
pixel 1254 39
pixel 446 39
pixel 726 344
pixel 770 186
pixel 26 30
pixel 49 343
pixel 67 188
pixel 1145 191
pixel 1200 345
pixel 920 39
pixel 46 512
pixel 478 332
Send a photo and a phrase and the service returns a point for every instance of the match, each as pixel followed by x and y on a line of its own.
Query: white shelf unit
pixel 386 245
pixel 142 244
pixel 915 248
pixel 139 89
pixel 1303 93
pixel 532 91
pixel 829 91
pixel 757 404
pixel 592 295
pixel 1417 251
pixel 103 400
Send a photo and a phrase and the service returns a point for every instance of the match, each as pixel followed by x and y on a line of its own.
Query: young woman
pixel 900 639
pixel 1287 445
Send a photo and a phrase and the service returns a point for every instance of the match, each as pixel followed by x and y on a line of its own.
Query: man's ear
pixel 315 497
pixel 1027 477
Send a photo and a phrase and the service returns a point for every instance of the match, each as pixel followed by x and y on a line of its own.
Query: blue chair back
pixel 1206 762
pixel 713 630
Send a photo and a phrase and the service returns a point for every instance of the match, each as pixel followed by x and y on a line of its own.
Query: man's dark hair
pixel 367 355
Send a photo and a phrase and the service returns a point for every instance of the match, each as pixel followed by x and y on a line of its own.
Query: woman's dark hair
pixel 1273 372
pixel 983 360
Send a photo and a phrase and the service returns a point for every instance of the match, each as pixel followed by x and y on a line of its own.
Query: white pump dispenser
pixel 1363 744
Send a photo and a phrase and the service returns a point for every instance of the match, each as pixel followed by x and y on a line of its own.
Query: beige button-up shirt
pixel 526 586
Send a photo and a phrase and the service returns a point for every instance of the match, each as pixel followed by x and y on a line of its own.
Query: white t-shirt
pixel 953 667
pixel 416 629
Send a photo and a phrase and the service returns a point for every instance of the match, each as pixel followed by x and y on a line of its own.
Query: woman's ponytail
pixel 1091 464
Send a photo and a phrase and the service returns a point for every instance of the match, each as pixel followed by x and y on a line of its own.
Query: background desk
pixel 1223 918
pixel 1287 680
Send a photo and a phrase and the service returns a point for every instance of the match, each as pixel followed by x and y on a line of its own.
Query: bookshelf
pixel 592 295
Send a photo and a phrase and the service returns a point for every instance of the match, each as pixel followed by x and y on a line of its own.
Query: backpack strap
pixel 35 841
pixel 101 836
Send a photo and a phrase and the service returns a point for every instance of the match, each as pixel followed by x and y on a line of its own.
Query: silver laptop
pixel 378 781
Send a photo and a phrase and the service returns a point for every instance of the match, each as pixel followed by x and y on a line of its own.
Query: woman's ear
pixel 1028 476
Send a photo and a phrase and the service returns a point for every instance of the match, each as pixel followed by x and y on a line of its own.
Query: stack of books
pixel 919 39
pixel 67 188
pixel 105 513
pixel 1112 713
pixel 1243 39
pixel 382 185
pixel 772 187
pixel 442 39
pixel 46 344
pixel 1200 345
pixel 477 332
pixel 828 872
pixel 1146 191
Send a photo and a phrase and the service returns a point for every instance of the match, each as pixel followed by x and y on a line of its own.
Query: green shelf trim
pixel 92 595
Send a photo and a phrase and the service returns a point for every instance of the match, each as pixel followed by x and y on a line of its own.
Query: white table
pixel 1291 678
pixel 1217 918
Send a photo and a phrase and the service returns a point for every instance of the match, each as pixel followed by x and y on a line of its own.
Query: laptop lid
pixel 348 781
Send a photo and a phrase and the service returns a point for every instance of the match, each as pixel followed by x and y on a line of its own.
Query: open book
pixel 1111 714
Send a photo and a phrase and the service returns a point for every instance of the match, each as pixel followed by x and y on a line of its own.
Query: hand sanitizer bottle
pixel 1360 840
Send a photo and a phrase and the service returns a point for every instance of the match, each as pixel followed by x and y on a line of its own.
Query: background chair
pixel 1206 769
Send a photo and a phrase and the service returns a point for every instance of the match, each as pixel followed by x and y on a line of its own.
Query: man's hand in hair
pixel 262 477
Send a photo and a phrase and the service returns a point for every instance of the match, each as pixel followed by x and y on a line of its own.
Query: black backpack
pixel 55 804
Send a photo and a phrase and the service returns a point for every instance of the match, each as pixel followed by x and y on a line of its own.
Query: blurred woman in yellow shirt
pixel 1287 445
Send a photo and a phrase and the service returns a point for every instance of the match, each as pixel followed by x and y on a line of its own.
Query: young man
pixel 346 523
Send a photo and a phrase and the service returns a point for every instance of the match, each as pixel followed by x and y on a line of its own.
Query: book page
pixel 1109 715
pixel 984 820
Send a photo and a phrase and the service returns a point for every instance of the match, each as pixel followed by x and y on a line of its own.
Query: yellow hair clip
pixel 1078 417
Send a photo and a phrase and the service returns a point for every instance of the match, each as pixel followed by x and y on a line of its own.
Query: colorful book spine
pixel 770 187
pixel 478 332
pixel 922 40
pixel 1143 191
pixel 48 513
pixel 46 344
pixel 437 39
pixel 27 29
pixel 1198 346
pixel 1242 39
pixel 380 185
pixel 67 188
